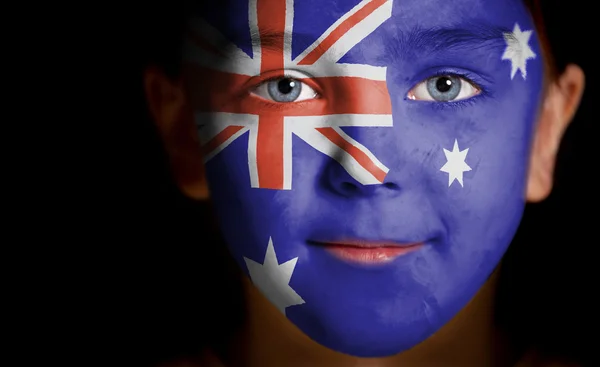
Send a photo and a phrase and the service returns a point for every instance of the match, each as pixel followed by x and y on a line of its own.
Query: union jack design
pixel 364 102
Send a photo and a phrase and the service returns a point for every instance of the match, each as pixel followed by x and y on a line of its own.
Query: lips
pixel 367 252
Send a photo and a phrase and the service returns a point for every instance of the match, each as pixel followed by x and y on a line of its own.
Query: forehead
pixel 440 13
pixel 313 17
pixel 407 14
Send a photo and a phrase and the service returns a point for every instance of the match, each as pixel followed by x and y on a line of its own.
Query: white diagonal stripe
pixel 319 40
pixel 362 148
pixel 319 142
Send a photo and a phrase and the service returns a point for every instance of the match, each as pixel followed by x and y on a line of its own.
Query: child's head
pixel 369 161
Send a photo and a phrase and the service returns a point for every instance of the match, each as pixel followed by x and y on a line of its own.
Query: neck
pixel 469 339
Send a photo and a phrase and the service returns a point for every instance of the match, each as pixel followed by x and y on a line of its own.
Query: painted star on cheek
pixel 455 165
pixel 273 279
pixel 518 50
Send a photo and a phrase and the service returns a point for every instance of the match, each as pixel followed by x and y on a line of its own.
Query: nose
pixel 337 179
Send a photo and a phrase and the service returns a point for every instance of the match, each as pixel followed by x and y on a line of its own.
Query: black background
pixel 160 293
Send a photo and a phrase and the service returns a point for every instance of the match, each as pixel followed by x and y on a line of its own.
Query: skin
pixel 538 121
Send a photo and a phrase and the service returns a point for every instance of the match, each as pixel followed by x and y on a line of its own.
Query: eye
pixel 444 88
pixel 285 90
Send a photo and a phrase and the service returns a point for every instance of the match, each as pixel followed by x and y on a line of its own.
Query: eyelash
pixel 454 105
pixel 278 106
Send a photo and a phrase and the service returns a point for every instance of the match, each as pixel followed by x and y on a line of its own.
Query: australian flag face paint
pixel 367 158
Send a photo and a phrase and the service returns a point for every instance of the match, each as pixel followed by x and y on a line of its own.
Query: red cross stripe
pixel 350 94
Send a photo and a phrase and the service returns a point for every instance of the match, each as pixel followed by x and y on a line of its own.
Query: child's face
pixel 406 129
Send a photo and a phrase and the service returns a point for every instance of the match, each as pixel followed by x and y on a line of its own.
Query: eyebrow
pixel 467 36
pixel 272 40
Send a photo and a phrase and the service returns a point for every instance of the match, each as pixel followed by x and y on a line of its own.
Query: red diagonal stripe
pixel 226 92
pixel 356 153
pixel 340 30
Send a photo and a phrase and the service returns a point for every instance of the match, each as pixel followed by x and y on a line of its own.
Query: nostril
pixel 349 187
pixel 391 186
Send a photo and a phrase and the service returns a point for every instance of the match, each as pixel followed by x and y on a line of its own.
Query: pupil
pixel 286 85
pixel 443 84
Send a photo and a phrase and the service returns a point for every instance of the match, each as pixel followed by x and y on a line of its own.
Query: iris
pixel 444 88
pixel 284 90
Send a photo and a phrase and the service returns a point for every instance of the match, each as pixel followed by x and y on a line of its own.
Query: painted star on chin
pixel 455 165
pixel 273 279
pixel 518 50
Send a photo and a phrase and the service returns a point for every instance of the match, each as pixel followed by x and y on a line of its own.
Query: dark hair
pixel 538 302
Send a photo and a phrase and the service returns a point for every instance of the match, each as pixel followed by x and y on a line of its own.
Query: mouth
pixel 367 252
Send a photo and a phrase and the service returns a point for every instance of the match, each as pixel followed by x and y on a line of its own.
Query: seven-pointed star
pixel 455 165
pixel 518 50
pixel 273 279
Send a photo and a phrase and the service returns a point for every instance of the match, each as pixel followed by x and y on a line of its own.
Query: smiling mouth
pixel 367 252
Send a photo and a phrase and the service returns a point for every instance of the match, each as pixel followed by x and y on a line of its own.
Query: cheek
pixel 482 216
pixel 488 210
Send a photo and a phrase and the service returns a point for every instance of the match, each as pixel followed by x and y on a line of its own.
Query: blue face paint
pixel 367 159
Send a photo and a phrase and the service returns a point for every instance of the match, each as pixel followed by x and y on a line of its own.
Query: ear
pixel 559 106
pixel 173 116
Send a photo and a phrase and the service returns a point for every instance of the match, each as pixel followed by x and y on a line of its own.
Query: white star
pixel 518 50
pixel 455 165
pixel 273 279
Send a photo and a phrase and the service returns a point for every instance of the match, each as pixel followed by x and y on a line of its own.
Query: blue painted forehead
pixel 415 25
pixel 406 14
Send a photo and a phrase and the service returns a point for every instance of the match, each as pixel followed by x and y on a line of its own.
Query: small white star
pixel 455 165
pixel 273 279
pixel 518 50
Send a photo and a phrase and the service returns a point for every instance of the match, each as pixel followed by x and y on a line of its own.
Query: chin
pixel 368 335
pixel 400 312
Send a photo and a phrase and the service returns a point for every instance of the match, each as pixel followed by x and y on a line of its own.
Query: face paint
pixel 367 158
